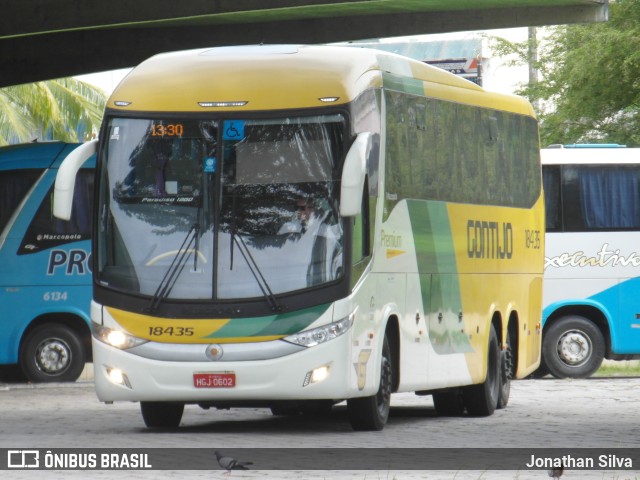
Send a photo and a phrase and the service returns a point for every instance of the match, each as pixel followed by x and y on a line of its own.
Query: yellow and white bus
pixel 294 226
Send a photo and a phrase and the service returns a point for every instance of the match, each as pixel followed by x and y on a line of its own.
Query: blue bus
pixel 592 255
pixel 45 268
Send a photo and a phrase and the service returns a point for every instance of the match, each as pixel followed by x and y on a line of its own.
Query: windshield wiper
pixel 271 299
pixel 177 266
pixel 255 270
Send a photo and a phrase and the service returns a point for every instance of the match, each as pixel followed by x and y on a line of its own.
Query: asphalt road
pixel 596 413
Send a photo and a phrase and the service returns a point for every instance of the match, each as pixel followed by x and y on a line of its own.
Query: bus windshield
pixel 220 209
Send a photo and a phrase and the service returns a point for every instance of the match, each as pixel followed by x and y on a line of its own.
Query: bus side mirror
pixel 66 178
pixel 353 175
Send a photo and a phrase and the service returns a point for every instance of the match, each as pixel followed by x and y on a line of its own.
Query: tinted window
pixel 552 205
pixel 452 152
pixel 600 197
pixel 46 231
pixel 14 185
pixel 584 198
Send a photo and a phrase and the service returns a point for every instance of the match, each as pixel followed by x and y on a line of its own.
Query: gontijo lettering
pixel 489 239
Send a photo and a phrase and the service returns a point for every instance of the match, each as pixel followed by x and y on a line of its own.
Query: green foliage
pixel 590 79
pixel 65 109
pixel 625 368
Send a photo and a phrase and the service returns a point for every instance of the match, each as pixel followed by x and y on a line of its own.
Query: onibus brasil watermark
pixel 49 460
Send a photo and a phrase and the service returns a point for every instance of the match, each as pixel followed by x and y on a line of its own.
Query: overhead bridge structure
pixel 44 39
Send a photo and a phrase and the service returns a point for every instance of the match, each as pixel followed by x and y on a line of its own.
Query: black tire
pixel 481 400
pixel 162 414
pixel 449 403
pixel 507 372
pixel 573 347
pixel 371 413
pixel 52 353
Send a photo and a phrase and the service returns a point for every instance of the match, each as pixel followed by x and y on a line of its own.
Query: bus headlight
pixel 116 338
pixel 316 336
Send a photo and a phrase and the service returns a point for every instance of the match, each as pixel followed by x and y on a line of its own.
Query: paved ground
pixel 593 413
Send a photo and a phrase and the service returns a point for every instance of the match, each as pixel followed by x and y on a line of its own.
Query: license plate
pixel 214 380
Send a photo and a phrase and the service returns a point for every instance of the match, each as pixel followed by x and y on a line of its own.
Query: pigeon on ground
pixel 230 463
pixel 555 472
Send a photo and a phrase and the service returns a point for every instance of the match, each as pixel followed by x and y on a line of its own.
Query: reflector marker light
pixel 239 103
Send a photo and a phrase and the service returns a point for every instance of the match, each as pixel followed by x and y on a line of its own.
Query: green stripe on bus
pixel 439 283
pixel 271 325
pixel 402 84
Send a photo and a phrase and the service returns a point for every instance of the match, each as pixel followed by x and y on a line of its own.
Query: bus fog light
pixel 317 375
pixel 118 377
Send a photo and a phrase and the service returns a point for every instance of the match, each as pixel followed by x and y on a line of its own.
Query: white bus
pixel 592 265
pixel 293 226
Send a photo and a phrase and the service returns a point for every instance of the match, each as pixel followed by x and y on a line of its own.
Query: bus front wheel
pixel 371 413
pixel 573 347
pixel 52 353
pixel 162 414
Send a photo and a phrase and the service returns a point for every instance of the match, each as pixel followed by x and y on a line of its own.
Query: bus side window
pixel 551 182
pixel 46 231
pixel 361 231
pixel 14 185
pixel 610 197
pixel 600 197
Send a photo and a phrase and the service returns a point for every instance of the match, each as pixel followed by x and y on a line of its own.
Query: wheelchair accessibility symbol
pixel 233 130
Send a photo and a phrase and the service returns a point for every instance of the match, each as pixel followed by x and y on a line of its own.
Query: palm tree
pixel 65 109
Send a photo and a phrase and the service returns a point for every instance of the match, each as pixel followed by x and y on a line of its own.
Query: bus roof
pixel 590 155
pixel 34 155
pixel 588 145
pixel 270 77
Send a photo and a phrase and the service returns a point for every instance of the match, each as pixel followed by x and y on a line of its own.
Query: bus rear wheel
pixel 52 353
pixel 573 347
pixel 371 413
pixel 162 414
pixel 481 400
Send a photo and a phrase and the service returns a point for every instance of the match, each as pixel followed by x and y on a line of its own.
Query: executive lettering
pixel 605 257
